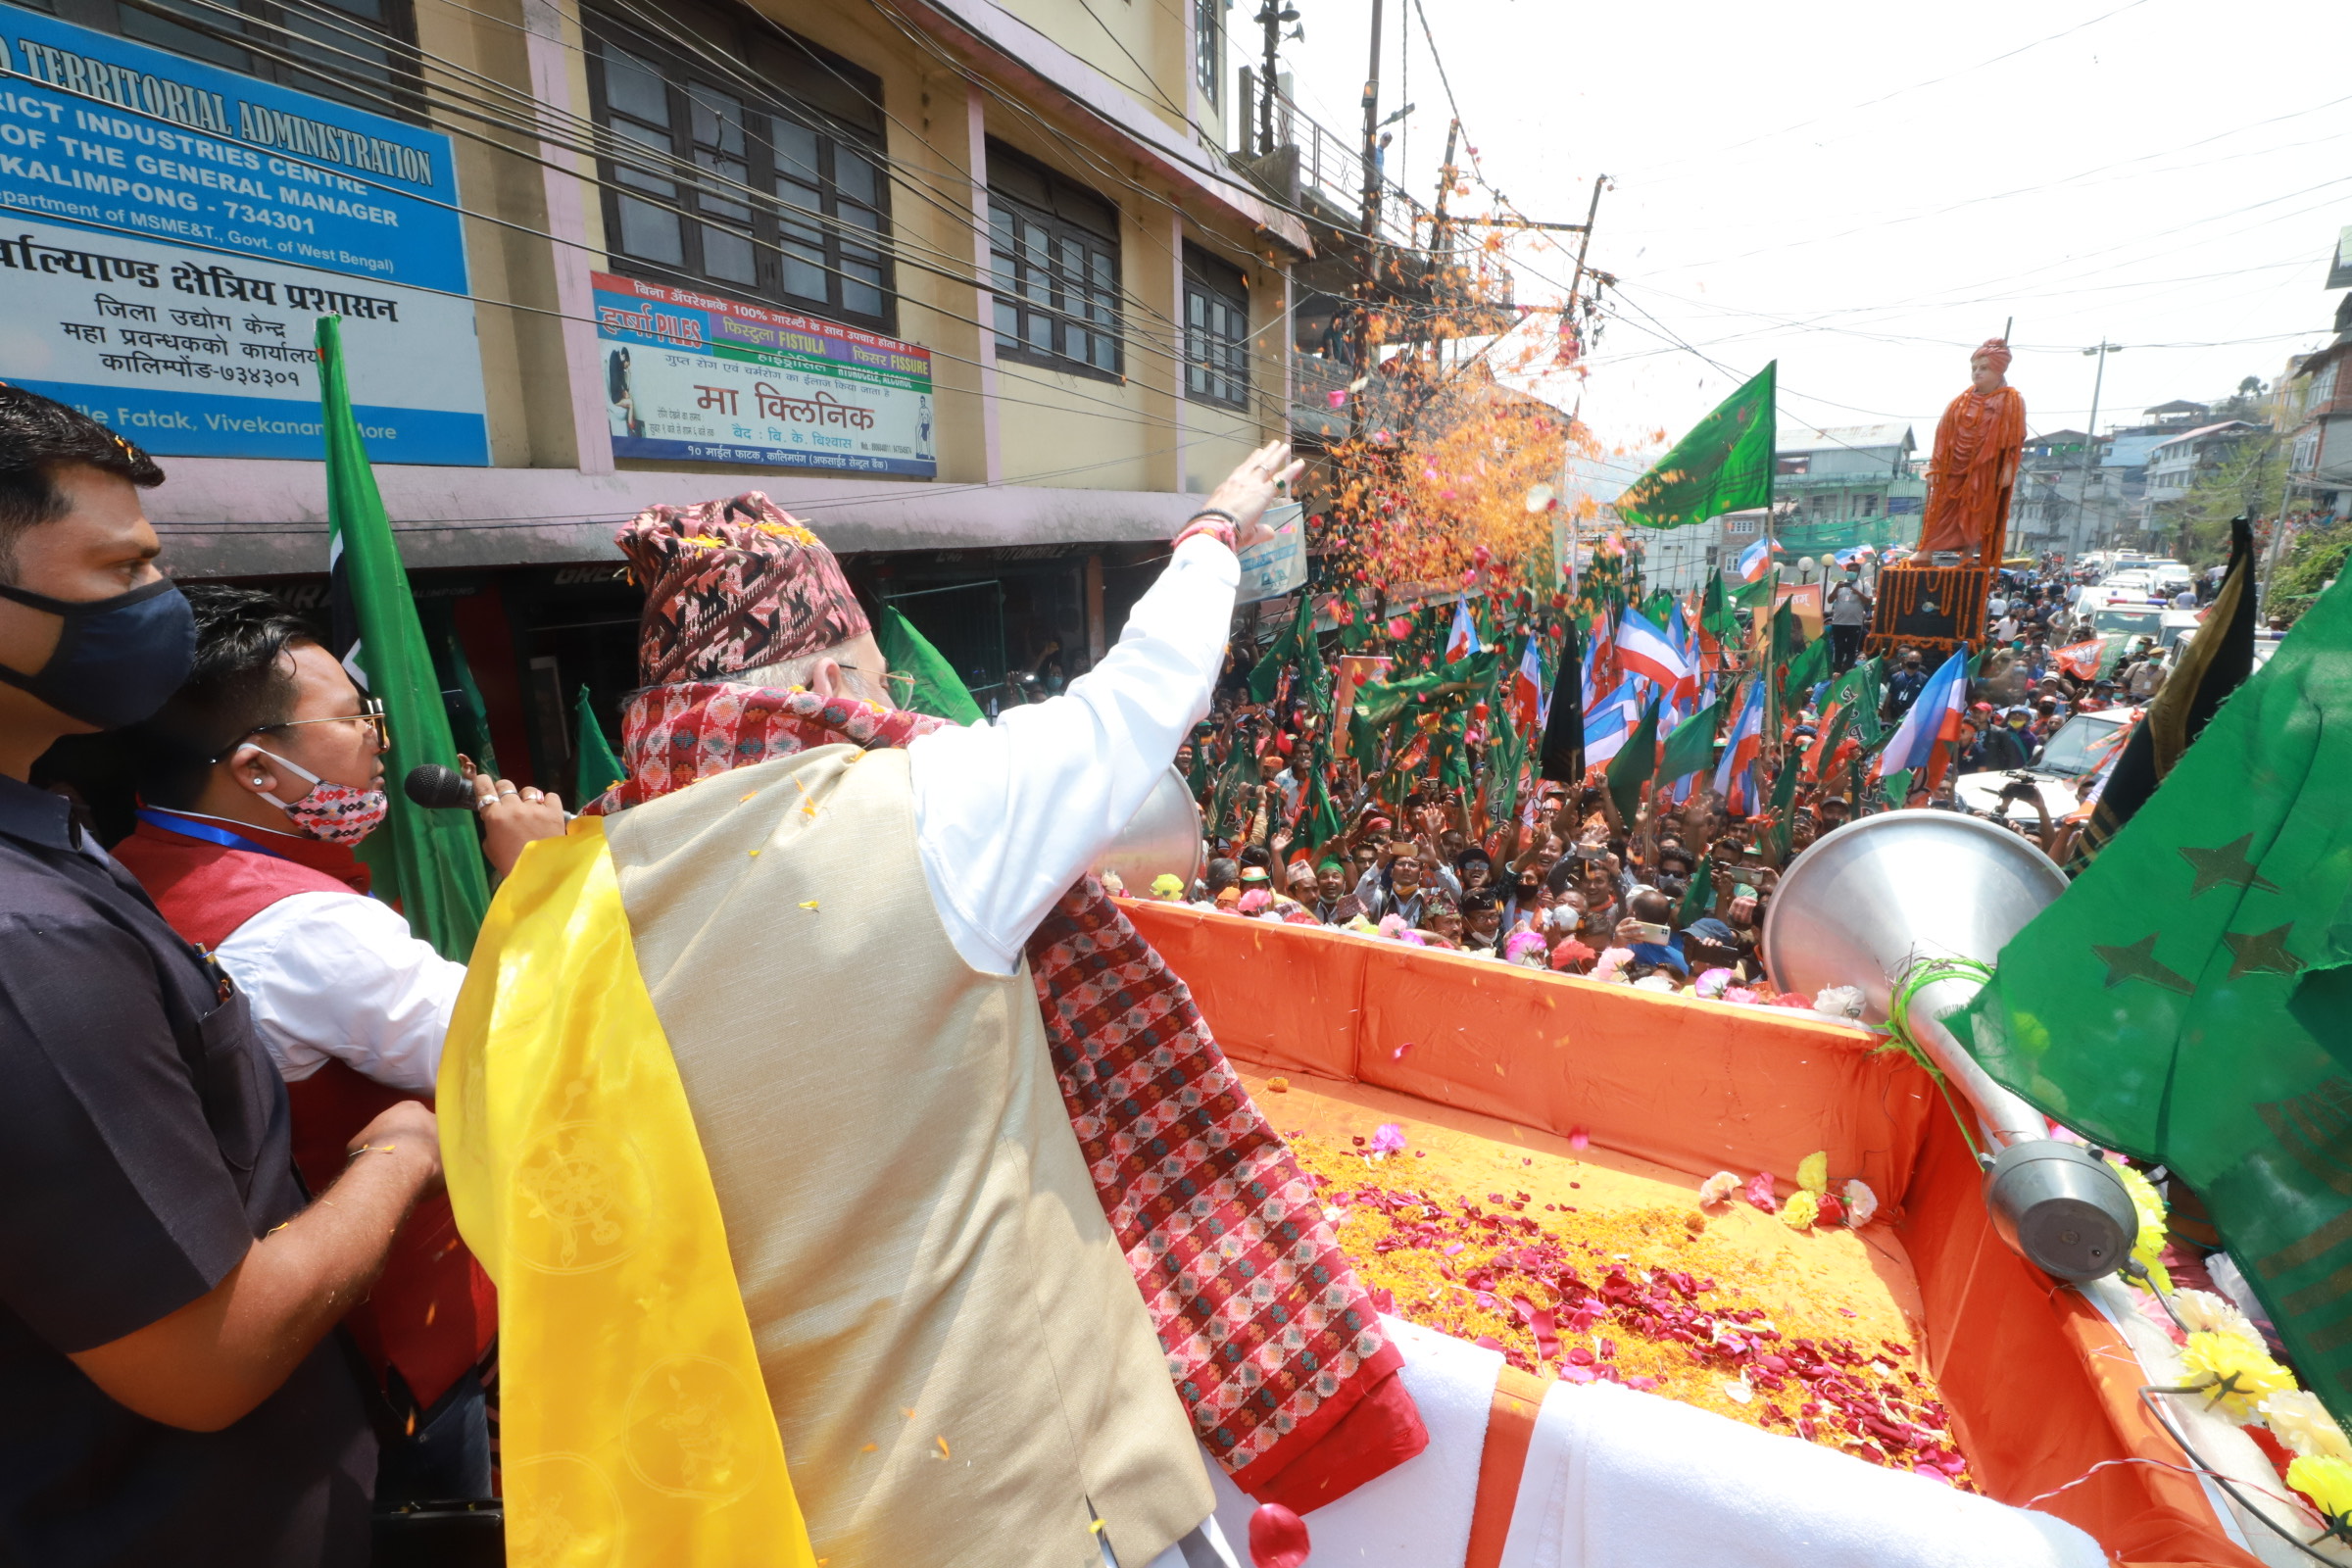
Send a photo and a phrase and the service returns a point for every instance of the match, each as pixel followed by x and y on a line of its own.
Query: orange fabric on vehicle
pixel 1510 1429
pixel 2041 1388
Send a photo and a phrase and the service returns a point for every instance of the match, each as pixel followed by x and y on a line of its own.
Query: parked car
pixel 2058 775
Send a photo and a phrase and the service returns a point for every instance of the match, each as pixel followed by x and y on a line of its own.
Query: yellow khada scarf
pixel 636 1429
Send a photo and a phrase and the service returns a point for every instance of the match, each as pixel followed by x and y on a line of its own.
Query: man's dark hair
pixel 1223 874
pixel 241 683
pixel 38 436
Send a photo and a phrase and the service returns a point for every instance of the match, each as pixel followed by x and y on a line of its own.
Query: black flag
pixel 1563 758
pixel 2216 664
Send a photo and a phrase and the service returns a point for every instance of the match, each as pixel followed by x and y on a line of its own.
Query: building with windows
pixel 2177 462
pixel 969 285
pixel 2318 425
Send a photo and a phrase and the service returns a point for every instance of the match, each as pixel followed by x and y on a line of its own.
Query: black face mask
pixel 117 660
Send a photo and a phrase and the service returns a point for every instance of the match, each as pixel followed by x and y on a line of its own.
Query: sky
pixel 1865 192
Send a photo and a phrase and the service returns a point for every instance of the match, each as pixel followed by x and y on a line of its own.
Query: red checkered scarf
pixel 1270 1337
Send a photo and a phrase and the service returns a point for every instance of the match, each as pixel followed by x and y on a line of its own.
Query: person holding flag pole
pixel 1923 743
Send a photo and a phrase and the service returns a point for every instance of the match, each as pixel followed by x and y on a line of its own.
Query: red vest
pixel 433 1311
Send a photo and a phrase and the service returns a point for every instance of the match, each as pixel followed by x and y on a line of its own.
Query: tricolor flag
pixel 1462 641
pixel 1918 741
pixel 1608 722
pixel 1755 559
pixel 1735 779
pixel 1643 650
pixel 1527 691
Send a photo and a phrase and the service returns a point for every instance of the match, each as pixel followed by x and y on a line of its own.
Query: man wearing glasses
pixel 255 781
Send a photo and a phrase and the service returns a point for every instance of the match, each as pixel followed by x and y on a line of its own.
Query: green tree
pixel 2252 478
pixel 2314 561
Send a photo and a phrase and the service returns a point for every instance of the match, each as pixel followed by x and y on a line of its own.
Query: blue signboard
pixel 171 231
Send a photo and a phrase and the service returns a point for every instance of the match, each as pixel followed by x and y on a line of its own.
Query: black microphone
pixel 430 784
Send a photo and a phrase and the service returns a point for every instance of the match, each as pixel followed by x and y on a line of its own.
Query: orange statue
pixel 1974 467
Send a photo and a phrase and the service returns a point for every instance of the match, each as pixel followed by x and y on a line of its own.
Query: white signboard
pixel 171 232
pixel 189 353
pixel 1277 566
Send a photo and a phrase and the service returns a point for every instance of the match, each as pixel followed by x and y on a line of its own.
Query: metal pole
pixel 1367 282
pixel 2090 450
pixel 1271 16
pixel 1576 280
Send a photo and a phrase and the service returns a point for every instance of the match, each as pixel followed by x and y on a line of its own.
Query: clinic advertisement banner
pixel 694 376
pixel 171 231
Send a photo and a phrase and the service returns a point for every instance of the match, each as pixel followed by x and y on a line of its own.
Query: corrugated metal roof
pixel 1818 438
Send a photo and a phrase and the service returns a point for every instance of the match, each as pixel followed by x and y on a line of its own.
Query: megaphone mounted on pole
pixel 1867 906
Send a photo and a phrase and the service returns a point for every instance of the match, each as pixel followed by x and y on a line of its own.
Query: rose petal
pixel 1278 1538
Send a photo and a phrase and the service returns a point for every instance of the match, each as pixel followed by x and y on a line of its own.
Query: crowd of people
pixel 1672 898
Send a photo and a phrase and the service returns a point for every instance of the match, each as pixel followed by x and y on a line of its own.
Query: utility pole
pixel 1576 280
pixel 1368 281
pixel 1271 16
pixel 2090 448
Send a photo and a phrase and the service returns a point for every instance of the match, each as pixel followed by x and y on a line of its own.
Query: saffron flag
pixel 1723 464
pixel 2079 659
pixel 2189 998
pixel 427 862
pixel 1918 744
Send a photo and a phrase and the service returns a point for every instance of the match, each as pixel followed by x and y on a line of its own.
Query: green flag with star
pixel 2189 998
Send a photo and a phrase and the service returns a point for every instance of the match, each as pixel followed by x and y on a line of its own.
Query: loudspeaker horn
pixel 1867 905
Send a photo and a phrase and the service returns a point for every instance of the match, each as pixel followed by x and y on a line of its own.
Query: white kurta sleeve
pixel 338 976
pixel 1009 815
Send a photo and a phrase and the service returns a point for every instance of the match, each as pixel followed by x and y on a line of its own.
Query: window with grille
pixel 761 170
pixel 1208 47
pixel 357 52
pixel 1216 331
pixel 1053 257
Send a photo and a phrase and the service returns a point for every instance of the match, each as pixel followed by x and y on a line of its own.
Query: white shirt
pixel 339 976
pixel 1008 815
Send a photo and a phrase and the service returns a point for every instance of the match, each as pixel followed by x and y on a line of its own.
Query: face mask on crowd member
pixel 92 635
pixel 1405 876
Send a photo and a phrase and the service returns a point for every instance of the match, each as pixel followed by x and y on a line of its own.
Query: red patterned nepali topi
pixel 733 585
pixel 1272 1341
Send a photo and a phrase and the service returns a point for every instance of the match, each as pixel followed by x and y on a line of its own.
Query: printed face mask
pixel 337 814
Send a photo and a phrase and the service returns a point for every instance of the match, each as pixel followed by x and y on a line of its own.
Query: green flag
pixel 596 769
pixel 1632 765
pixel 1698 896
pixel 1757 595
pixel 1808 669
pixel 427 862
pixel 1782 809
pixel 1723 464
pixel 934 687
pixel 2189 998
pixel 1691 745
pixel 1265 677
pixel 1715 612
